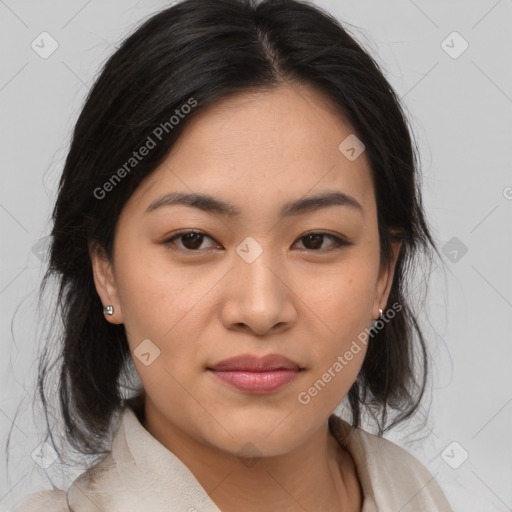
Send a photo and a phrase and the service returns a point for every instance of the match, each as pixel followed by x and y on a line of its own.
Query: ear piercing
pixel 374 322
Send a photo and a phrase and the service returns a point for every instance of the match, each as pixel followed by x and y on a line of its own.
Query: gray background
pixel 461 110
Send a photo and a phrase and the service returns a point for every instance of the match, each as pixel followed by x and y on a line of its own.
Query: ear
pixel 385 280
pixel 104 281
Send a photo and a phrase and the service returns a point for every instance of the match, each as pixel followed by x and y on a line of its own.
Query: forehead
pixel 262 148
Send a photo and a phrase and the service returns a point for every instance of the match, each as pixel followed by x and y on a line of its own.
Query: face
pixel 251 272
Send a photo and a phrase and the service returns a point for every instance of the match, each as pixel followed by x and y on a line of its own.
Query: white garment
pixel 141 475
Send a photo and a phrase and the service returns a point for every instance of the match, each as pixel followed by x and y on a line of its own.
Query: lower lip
pixel 257 382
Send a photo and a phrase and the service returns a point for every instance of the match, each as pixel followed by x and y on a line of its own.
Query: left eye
pixel 191 241
pixel 316 240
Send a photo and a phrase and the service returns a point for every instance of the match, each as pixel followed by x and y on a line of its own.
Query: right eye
pixel 190 241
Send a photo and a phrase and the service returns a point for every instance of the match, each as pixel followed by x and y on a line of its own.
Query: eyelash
pixel 338 242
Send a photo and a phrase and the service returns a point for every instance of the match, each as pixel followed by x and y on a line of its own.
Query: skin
pixel 306 300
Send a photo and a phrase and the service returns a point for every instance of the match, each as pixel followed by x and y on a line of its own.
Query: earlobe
pixel 105 283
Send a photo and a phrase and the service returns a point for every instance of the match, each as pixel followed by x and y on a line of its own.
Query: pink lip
pixel 256 375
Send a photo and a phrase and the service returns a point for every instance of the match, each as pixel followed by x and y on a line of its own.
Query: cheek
pixel 343 302
pixel 343 298
pixel 161 304
pixel 149 292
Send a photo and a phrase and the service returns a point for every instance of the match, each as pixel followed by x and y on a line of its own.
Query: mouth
pixel 257 375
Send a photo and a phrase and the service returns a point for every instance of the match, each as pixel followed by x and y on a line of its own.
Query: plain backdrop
pixel 450 62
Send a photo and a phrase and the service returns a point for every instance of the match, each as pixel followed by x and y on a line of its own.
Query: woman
pixel 235 221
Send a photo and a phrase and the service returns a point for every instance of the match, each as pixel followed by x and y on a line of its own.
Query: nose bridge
pixel 257 293
pixel 256 266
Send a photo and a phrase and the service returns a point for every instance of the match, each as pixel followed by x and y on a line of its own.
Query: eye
pixel 190 240
pixel 314 241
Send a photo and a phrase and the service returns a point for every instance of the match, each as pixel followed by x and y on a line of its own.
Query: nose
pixel 257 297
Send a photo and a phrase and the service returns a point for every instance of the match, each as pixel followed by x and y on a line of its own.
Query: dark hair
pixel 202 52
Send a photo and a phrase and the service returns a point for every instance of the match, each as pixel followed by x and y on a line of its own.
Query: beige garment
pixel 141 475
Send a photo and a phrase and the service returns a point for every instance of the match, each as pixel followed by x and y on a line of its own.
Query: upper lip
pixel 248 362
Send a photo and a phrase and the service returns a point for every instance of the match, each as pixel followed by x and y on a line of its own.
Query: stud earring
pixel 374 322
pixel 108 310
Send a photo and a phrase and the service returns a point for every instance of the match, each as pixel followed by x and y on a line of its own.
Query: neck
pixel 318 475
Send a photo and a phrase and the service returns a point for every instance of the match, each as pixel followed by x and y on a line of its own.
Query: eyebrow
pixel 211 204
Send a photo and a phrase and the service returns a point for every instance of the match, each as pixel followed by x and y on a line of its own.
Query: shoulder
pixel 388 454
pixel 391 475
pixel 401 478
pixel 54 500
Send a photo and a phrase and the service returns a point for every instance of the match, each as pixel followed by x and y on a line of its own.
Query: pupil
pixel 318 238
pixel 189 237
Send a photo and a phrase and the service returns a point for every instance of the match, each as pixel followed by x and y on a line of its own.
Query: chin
pixel 256 435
